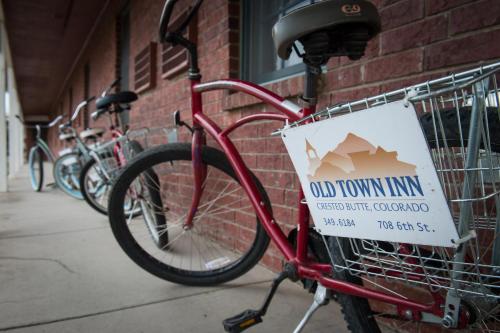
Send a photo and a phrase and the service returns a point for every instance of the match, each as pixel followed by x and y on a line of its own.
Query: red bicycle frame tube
pixel 290 112
pixel 117 148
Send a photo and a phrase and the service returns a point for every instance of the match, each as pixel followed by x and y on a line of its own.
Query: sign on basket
pixel 370 175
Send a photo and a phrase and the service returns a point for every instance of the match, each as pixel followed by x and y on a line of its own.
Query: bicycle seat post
pixel 310 96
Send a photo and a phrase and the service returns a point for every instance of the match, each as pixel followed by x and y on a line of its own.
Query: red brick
pixel 270 162
pixel 373 48
pixel 474 16
pixel 435 6
pixel 377 3
pixel 414 35
pixel 401 13
pixel 463 50
pixel 393 66
pixel 344 77
pixel 276 196
pixel 385 3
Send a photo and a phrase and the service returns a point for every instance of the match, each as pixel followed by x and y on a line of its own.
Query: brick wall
pixel 420 40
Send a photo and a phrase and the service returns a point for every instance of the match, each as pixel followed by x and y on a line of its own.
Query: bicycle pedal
pixel 242 321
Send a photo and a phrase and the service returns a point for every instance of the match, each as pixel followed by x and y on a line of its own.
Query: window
pixel 260 63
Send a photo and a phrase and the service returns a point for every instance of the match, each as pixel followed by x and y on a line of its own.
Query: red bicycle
pixel 219 219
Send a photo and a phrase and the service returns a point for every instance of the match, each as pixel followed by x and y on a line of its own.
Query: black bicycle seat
pixel 328 28
pixel 118 98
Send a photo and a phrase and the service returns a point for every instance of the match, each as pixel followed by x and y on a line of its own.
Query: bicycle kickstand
pixel 321 297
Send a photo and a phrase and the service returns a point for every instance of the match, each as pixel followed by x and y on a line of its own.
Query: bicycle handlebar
pixel 79 107
pixel 108 89
pixel 165 19
pixel 52 123
pixel 166 14
pixel 55 121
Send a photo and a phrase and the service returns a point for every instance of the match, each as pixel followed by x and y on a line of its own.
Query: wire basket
pixel 142 139
pixel 107 160
pixel 150 137
pixel 460 115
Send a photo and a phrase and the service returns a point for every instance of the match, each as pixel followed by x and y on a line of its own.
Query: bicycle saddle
pixel 92 133
pixel 327 28
pixel 118 98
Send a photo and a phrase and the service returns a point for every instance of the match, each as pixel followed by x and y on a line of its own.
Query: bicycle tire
pixel 356 310
pixel 168 154
pixel 83 188
pixel 58 173
pixel 135 147
pixel 36 176
pixel 451 130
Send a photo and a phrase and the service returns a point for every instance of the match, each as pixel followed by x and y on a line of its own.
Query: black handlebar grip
pixel 165 18
pixel 115 82
pixel 189 17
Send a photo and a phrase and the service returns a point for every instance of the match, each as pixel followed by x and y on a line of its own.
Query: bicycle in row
pixel 67 168
pixel 216 219
pixel 39 153
pixel 107 158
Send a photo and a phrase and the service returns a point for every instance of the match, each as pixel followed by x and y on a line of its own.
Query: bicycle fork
pixel 199 173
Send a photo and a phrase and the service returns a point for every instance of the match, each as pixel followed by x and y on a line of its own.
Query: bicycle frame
pixel 43 145
pixel 305 267
pixel 118 155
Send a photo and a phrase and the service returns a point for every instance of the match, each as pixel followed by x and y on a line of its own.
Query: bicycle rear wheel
pixel 356 310
pixel 95 186
pixel 226 239
pixel 35 163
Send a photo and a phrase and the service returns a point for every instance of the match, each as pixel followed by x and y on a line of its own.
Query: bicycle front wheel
pixel 67 174
pixel 35 164
pixel 225 241
pixel 96 180
pixel 95 186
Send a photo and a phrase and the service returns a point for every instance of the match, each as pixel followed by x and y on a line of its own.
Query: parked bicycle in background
pixel 39 153
pixel 100 170
pixel 68 167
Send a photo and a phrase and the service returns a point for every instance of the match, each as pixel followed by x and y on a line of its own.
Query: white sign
pixel 369 175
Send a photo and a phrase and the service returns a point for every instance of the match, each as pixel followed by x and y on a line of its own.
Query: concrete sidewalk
pixel 62 271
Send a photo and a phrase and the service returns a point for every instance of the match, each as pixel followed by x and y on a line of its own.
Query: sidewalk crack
pixel 60 263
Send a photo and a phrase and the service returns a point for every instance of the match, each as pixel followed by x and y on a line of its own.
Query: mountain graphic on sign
pixel 356 158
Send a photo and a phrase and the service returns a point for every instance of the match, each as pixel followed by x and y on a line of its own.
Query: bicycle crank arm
pixel 249 318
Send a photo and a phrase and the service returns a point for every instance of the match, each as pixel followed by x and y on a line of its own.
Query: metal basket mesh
pixel 460 109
